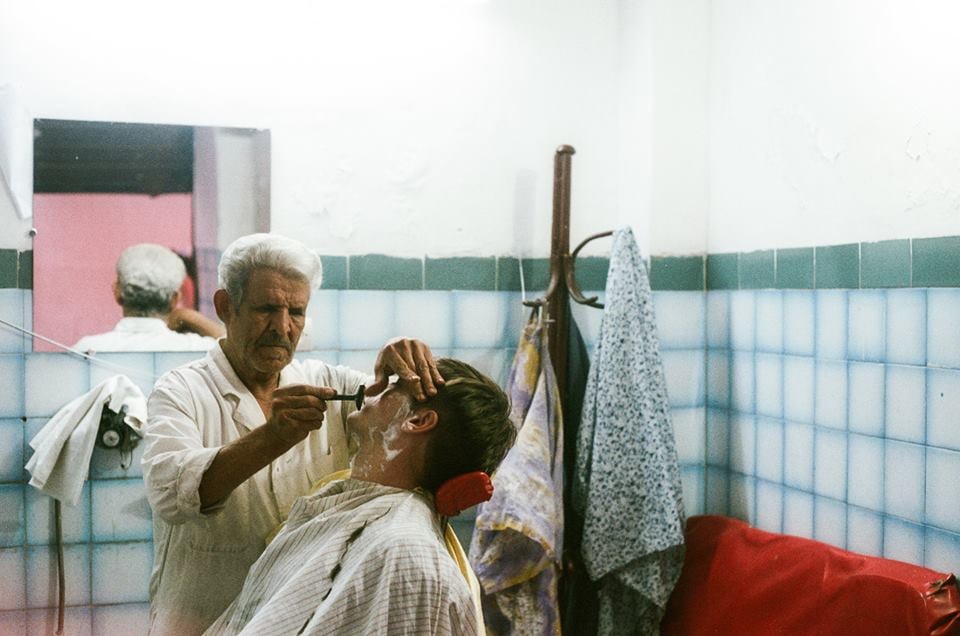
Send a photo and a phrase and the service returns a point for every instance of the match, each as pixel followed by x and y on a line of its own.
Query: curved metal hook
pixel 568 265
pixel 551 288
pixel 572 285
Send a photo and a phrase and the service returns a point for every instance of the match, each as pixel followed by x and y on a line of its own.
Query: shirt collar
pixel 226 379
pixel 141 325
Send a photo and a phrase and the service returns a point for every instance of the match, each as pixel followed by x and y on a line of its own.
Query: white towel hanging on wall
pixel 63 447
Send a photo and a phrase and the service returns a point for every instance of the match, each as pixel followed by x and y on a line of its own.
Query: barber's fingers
pixel 402 359
pixel 305 416
pixel 427 370
pixel 298 409
pixel 304 398
pixel 396 358
pixel 417 356
pixel 422 383
pixel 299 401
pixel 412 361
pixel 293 424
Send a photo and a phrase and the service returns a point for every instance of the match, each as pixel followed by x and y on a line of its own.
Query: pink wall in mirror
pixel 79 237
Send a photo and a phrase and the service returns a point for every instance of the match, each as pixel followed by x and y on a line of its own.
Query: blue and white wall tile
pixel 870 389
pixel 828 414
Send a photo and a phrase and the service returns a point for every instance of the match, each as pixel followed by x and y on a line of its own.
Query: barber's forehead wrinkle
pixel 271 287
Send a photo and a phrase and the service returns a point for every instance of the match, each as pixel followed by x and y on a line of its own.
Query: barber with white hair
pixel 148 284
pixel 235 438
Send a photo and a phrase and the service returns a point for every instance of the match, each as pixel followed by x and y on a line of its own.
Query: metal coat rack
pixel 563 281
pixel 575 587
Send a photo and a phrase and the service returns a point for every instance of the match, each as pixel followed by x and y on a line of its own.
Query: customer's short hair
pixel 148 275
pixel 265 251
pixel 474 431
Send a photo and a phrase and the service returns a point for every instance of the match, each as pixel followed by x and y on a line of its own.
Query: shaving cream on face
pixel 392 434
pixel 385 435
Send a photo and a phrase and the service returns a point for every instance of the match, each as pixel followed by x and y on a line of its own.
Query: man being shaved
pixel 365 555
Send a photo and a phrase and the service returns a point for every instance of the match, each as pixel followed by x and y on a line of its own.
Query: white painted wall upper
pixel 409 128
pixel 832 122
pixel 428 126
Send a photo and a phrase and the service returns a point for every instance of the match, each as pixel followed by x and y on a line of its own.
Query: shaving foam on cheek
pixel 392 434
pixel 388 439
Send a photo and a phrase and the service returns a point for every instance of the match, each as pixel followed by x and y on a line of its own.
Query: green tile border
pixel 16 269
pixel 918 262
pixel 679 273
pixel 462 272
pixel 25 271
pixel 795 268
pixel 936 262
pixel 885 264
pixel 334 272
pixel 757 269
pixel 508 274
pixel 837 266
pixel 723 271
pixel 378 271
pixel 591 272
pixel 536 274
pixel 8 269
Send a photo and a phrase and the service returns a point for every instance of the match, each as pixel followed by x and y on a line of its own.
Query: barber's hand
pixel 412 361
pixel 187 320
pixel 296 410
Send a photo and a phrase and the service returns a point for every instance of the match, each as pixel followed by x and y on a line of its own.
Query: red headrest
pixel 457 494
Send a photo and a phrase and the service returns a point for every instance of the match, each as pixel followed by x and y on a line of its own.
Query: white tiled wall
pixel 108 535
pixel 869 434
pixel 824 414
pixel 683 333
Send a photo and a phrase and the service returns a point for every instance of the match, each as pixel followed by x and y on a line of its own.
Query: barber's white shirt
pixel 144 334
pixel 201 558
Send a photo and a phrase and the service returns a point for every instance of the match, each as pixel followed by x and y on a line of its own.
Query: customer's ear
pixel 221 302
pixel 422 421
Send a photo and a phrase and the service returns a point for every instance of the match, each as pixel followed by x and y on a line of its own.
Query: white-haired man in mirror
pixel 147 288
pixel 233 439
pixel 367 554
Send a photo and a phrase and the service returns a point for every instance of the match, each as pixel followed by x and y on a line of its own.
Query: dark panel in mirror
pixel 89 156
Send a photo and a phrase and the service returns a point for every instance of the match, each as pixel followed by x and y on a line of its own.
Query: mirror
pixel 100 187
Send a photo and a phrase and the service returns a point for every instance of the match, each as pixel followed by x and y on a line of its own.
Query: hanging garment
pixel 627 481
pixel 63 447
pixel 579 599
pixel 518 540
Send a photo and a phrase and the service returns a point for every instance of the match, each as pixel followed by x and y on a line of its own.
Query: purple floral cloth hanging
pixel 518 539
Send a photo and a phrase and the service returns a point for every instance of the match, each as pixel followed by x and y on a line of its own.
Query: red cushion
pixel 740 580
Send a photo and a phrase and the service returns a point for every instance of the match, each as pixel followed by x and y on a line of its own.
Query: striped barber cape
pixel 354 558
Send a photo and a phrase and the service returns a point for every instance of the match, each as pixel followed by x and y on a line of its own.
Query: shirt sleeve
pixel 174 458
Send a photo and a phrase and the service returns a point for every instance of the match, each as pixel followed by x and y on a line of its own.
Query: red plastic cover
pixel 459 493
pixel 740 580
